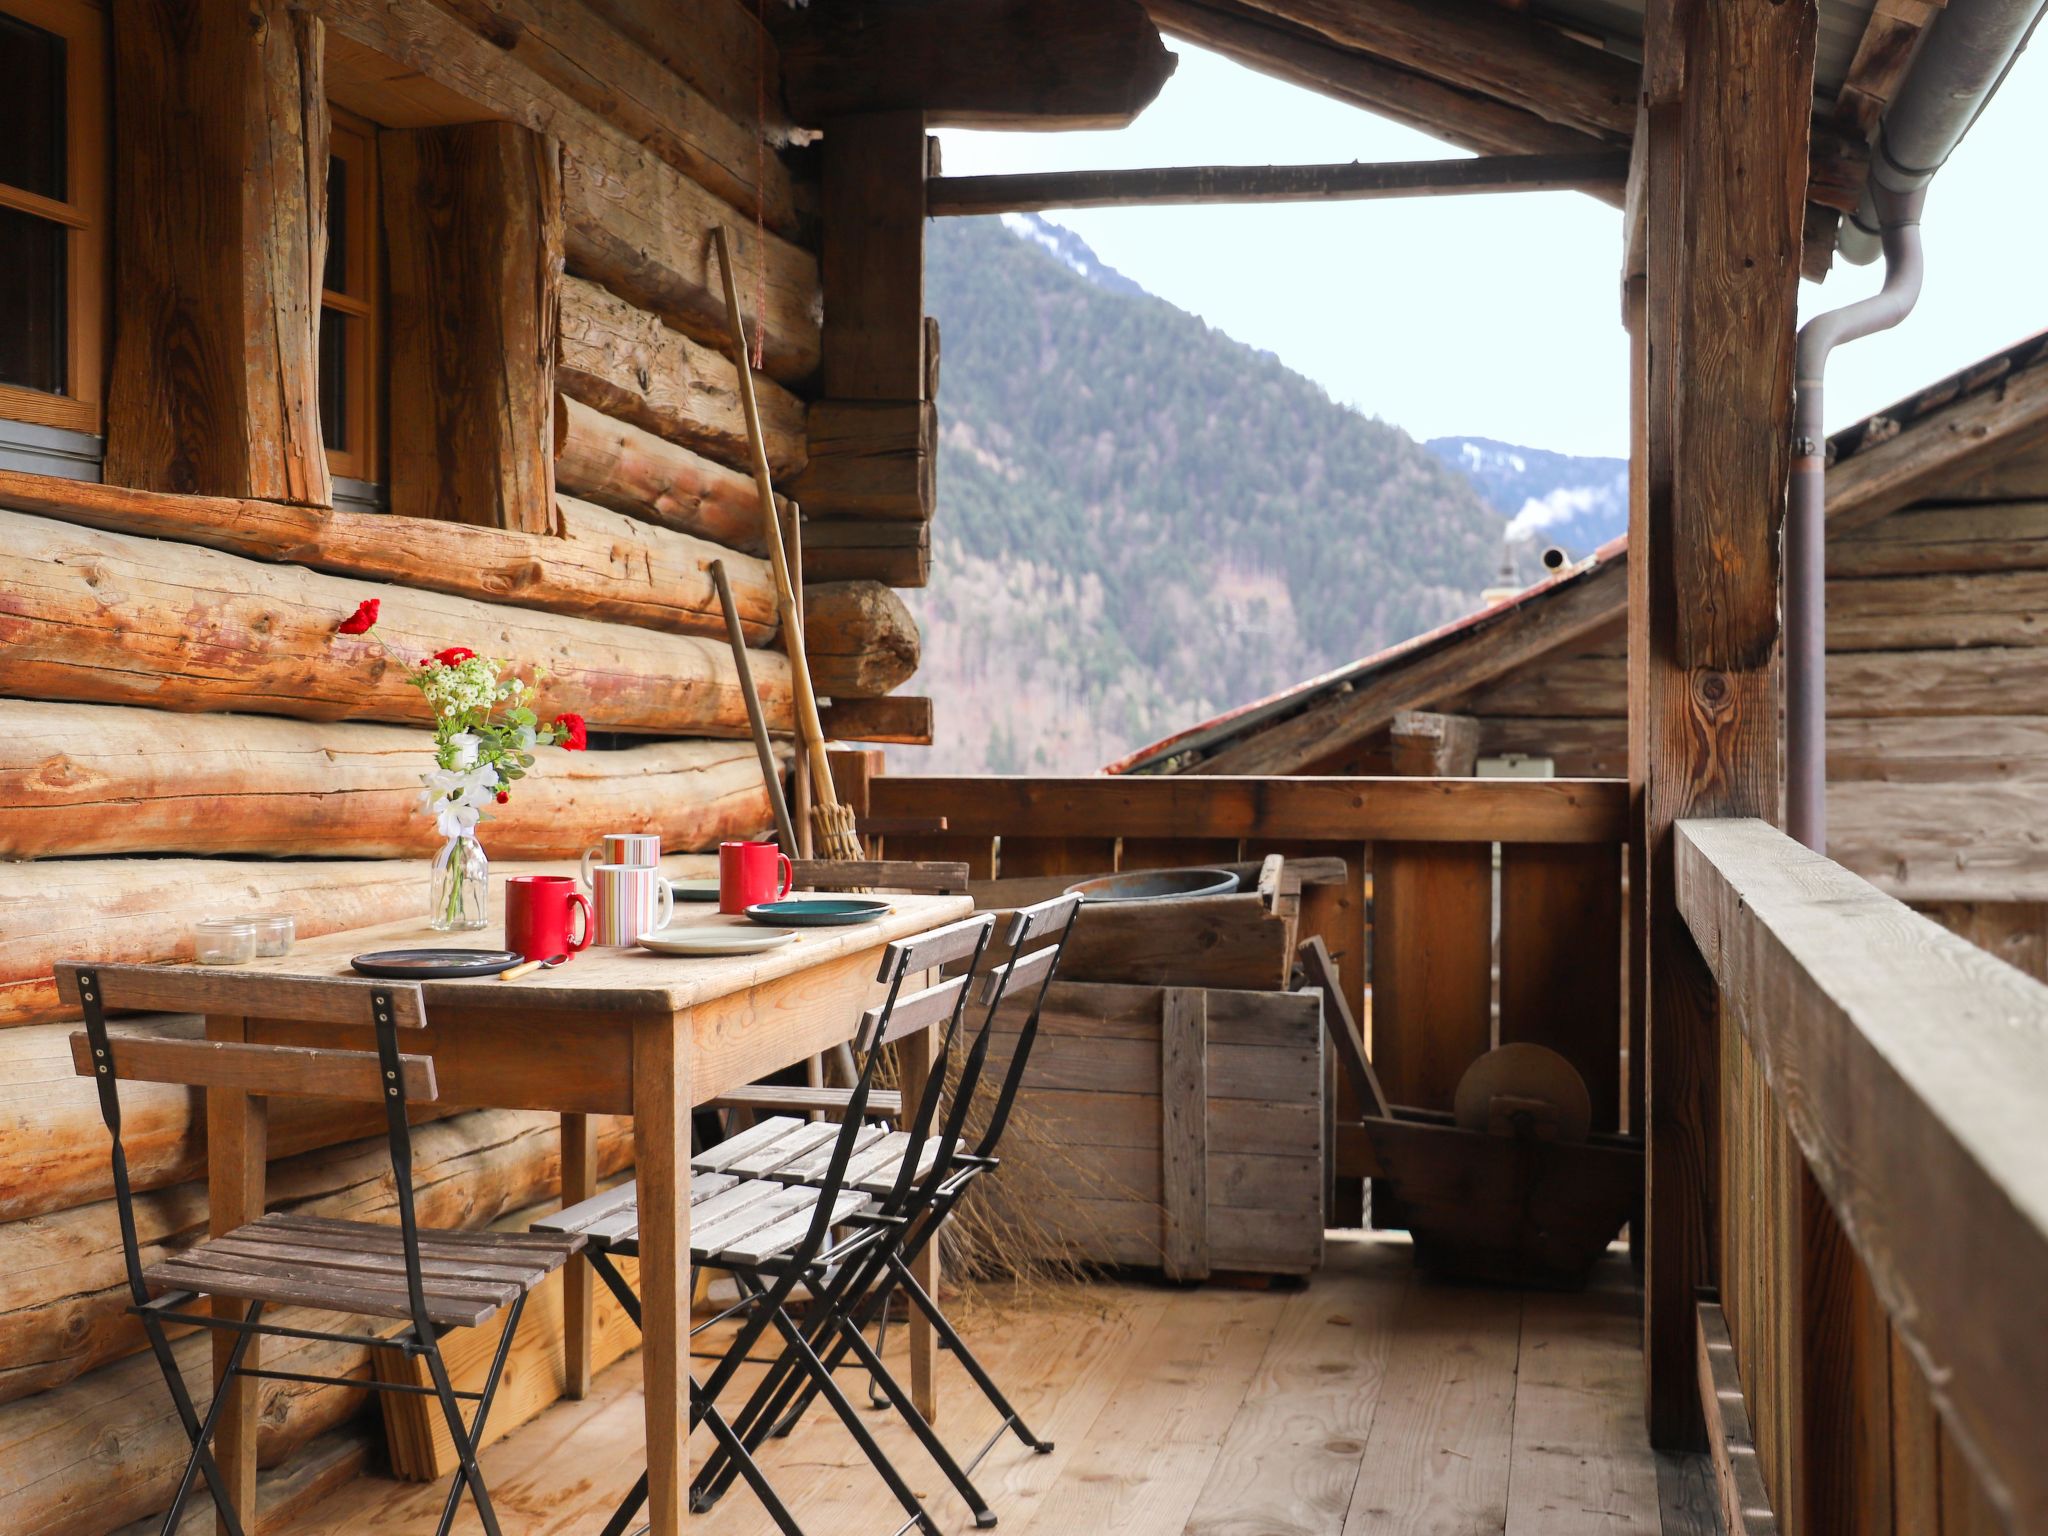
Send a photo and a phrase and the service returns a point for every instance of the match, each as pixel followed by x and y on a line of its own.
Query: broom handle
pixel 785 829
pixel 809 726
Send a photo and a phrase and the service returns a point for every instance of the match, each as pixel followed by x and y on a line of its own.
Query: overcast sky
pixel 1499 316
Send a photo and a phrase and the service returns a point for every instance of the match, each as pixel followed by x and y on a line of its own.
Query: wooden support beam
pixel 220 206
pixel 873 459
pixel 857 549
pixel 872 215
pixel 1431 746
pixel 859 637
pixel 1304 57
pixel 1505 54
pixel 898 719
pixel 1331 810
pixel 627 468
pixel 1012 64
pixel 473 232
pixel 1726 197
pixel 1200 184
pixel 1891 39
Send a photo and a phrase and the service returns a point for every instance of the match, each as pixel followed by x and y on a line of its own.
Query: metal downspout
pixel 1806 701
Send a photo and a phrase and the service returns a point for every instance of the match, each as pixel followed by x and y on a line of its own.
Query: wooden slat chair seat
pixel 359 1266
pixel 733 1220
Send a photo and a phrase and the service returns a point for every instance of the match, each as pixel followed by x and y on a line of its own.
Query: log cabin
pixel 326 300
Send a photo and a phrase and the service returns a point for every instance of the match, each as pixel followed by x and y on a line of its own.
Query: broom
pixel 830 821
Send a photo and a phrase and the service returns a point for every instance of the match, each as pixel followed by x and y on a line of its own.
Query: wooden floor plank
pixel 1149 1451
pixel 1292 1456
pixel 1577 1419
pixel 1437 1463
pixel 1367 1404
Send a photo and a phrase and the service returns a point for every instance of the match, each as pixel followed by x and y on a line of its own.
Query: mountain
pixel 1578 503
pixel 1143 522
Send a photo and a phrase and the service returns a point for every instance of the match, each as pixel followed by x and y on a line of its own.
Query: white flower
pixel 461 750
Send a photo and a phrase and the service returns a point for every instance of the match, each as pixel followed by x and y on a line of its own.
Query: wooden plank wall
pixel 182 733
pixel 1937 697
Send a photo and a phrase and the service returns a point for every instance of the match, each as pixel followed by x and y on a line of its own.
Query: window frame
pixel 353 140
pixel 82 214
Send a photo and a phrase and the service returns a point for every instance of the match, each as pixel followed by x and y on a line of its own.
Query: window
pixel 53 137
pixel 351 311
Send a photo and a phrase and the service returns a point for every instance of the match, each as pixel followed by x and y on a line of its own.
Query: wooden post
pixel 1184 1131
pixel 473 224
pixel 220 206
pixel 1729 91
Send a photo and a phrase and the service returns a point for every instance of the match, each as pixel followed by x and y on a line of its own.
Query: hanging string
pixel 760 184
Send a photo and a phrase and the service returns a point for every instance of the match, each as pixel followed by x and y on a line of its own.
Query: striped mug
pixel 622 848
pixel 631 899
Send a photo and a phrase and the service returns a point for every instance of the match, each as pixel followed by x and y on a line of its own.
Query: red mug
pixel 749 873
pixel 537 911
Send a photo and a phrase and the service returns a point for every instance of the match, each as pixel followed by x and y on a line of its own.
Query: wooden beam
pixel 1431 746
pixel 1891 39
pixel 1304 57
pixel 872 212
pixel 1432 670
pixel 855 549
pixel 603 565
pixel 627 468
pixel 1507 55
pixel 860 639
pixel 1201 184
pixel 220 205
pixel 1731 1444
pixel 716 46
pixel 875 459
pixel 1011 64
pixel 473 235
pixel 1306 810
pixel 1726 189
pixel 899 719
pixel 1926 1141
pixel 202 630
pixel 94 780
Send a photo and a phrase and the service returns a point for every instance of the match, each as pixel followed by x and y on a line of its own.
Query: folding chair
pixel 763 1208
pixel 435 1281
pixel 920 1181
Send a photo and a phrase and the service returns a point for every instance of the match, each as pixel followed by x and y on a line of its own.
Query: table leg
pixel 661 1140
pixel 579 1315
pixel 914 1060
pixel 237 1137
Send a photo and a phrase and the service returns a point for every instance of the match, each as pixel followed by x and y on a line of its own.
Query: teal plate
pixel 822 912
pixel 695 890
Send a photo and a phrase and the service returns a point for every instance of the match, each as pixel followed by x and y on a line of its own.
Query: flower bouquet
pixel 486 731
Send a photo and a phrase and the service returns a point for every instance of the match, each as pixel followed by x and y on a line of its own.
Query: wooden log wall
pixel 181 730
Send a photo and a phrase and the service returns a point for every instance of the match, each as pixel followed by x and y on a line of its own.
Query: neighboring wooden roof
pixel 1887 461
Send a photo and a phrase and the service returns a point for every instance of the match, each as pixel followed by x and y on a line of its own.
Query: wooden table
pixel 615 1031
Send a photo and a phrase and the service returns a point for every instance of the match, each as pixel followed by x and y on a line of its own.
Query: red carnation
pixel 574 737
pixel 454 656
pixel 361 621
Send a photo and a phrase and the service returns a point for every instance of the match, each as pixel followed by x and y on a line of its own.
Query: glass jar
pixel 274 933
pixel 462 886
pixel 223 941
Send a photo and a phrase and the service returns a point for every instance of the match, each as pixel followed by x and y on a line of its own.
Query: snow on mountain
pixel 1574 501
pixel 1070 250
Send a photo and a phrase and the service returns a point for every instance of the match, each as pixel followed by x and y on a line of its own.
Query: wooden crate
pixel 1180 1127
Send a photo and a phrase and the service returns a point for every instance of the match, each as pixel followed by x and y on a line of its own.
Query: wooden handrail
pixel 1912 1068
pixel 1338 810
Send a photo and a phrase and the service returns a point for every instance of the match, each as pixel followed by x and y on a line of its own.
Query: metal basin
pixel 1156 885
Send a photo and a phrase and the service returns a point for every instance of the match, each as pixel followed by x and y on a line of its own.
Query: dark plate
pixel 695 890
pixel 819 912
pixel 435 964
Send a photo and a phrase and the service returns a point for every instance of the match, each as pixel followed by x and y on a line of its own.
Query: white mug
pixel 642 848
pixel 630 899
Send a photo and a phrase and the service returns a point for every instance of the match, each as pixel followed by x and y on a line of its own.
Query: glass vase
pixel 462 886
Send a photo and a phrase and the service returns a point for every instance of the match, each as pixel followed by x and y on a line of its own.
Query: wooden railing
pixel 1883 1222
pixel 1413 919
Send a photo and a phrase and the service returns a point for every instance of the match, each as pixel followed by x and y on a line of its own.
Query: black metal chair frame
pixel 916 1210
pixel 423 1338
pixel 766 1289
